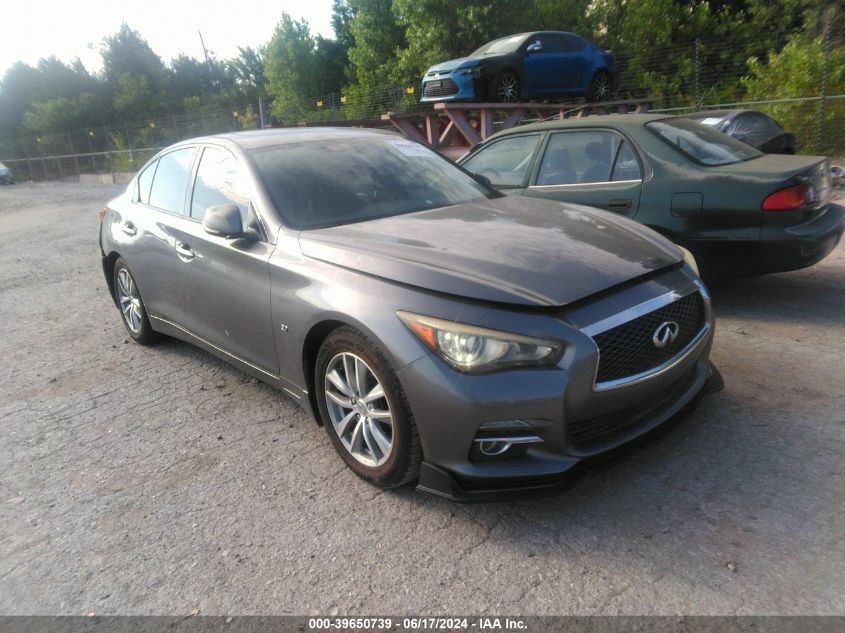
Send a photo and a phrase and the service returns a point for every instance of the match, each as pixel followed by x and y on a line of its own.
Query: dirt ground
pixel 160 481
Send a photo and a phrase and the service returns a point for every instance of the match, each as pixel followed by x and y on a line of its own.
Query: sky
pixel 74 29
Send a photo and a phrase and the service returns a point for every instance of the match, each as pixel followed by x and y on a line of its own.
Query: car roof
pixel 255 139
pixel 606 120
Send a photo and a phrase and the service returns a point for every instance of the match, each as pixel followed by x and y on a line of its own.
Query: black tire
pixel 505 87
pixel 601 87
pixel 139 329
pixel 403 460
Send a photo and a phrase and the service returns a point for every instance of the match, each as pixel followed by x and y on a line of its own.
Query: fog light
pixel 492 448
pixel 502 446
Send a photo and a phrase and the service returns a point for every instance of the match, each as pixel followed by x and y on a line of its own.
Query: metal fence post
pixel 261 112
pixel 128 143
pixel 73 151
pixel 823 95
pixel 698 97
pixel 28 162
pixel 88 135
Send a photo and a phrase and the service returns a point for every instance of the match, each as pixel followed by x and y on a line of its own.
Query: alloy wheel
pixel 507 88
pixel 601 87
pixel 130 300
pixel 359 410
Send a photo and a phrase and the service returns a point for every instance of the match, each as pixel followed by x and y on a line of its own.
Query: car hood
pixel 454 64
pixel 510 250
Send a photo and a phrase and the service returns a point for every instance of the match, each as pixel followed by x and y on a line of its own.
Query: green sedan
pixel 740 212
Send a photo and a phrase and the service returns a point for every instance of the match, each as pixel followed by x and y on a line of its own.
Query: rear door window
pixel 627 166
pixel 578 158
pixel 171 177
pixel 504 162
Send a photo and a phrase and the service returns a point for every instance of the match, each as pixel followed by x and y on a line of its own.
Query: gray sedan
pixel 441 332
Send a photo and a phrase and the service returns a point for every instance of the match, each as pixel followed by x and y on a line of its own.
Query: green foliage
pixel 795 72
pixel 61 114
pixel 290 69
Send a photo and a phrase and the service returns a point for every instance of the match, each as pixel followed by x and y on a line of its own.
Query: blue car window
pixel 550 43
pixel 504 162
pixel 573 42
pixel 578 158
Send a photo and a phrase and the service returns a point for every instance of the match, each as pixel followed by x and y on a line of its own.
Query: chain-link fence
pixel 116 148
pixel 798 80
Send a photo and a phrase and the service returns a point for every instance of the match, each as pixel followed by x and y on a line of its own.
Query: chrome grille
pixel 627 349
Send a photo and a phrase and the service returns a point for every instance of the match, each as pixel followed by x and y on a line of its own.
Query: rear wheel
pixel 132 310
pixel 600 87
pixel 364 410
pixel 506 88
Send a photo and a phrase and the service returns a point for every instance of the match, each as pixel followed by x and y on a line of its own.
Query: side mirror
pixel 536 46
pixel 223 220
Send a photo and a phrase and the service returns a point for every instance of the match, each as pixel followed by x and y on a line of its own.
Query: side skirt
pixel 298 394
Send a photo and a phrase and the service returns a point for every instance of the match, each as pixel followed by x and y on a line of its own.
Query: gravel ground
pixel 162 481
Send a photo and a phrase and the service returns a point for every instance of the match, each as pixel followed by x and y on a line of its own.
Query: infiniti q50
pixel 442 332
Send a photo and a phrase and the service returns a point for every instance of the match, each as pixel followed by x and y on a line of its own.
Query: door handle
pixel 129 229
pixel 184 252
pixel 619 204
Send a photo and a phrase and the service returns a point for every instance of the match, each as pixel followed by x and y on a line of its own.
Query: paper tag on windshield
pixel 710 121
pixel 410 149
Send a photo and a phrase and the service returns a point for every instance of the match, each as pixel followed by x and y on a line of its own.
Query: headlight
pixel 474 349
pixel 475 71
pixel 689 258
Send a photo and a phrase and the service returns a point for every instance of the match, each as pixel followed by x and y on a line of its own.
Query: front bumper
pixel 562 411
pixel 440 482
pixel 439 88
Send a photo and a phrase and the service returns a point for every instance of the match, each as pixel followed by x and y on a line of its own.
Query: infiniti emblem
pixel 665 334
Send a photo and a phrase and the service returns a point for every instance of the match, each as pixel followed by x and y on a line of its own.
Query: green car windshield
pixel 702 144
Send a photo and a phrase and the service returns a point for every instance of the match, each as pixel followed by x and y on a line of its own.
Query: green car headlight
pixel 469 348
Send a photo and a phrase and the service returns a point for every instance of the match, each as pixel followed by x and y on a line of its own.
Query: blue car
pixel 525 66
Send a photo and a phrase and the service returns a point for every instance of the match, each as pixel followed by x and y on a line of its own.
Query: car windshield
pixel 702 144
pixel 315 184
pixel 501 46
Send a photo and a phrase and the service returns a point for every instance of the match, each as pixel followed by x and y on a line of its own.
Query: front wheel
pixel 364 410
pixel 506 88
pixel 600 87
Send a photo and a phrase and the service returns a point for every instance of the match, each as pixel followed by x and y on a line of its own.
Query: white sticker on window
pixel 711 121
pixel 411 149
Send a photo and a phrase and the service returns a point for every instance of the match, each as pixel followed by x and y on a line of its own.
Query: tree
pixel 134 75
pixel 795 72
pixel 290 69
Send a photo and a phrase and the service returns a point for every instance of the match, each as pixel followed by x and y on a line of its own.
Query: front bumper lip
pixel 464 82
pixel 437 481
